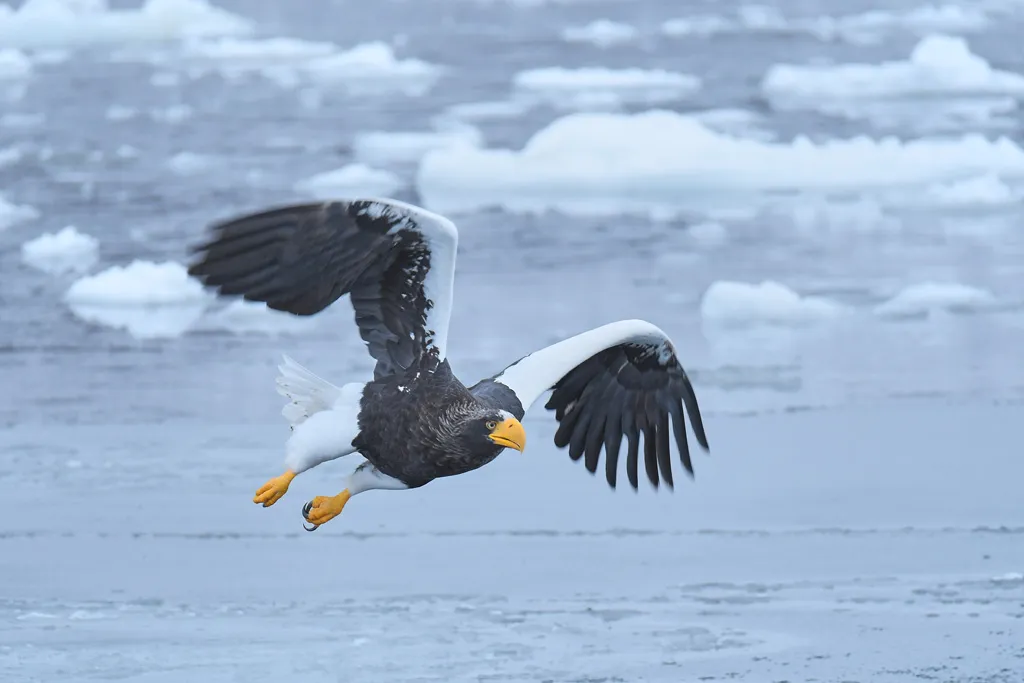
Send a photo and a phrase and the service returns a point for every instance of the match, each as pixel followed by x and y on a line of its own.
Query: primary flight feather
pixel 415 421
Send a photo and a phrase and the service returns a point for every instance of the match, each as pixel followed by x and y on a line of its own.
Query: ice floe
pixel 926 298
pixel 938 65
pixel 366 68
pixel 601 88
pixel 351 180
pixel 390 147
pixel 148 300
pixel 601 33
pixel 740 304
pixel 13 63
pixel 190 163
pixel 12 214
pixel 66 251
pixel 83 23
pixel 661 161
pixel 863 28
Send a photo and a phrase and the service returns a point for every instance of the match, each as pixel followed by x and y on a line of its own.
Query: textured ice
pixel 600 32
pixel 926 298
pixel 598 163
pixel 65 251
pixel 601 88
pixel 351 180
pixel 938 65
pixel 388 147
pixel 741 304
pixel 80 23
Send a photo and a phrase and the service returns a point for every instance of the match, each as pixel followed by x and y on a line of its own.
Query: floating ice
pixel 601 32
pixel 20 120
pixel 251 317
pixel 500 109
pixel 189 163
pixel 387 147
pixel 117 112
pixel 865 28
pixel 939 65
pixel 13 64
pixel 739 304
pixel 983 190
pixel 354 179
pixel 922 300
pixel 367 68
pixel 148 300
pixel 601 163
pixel 67 251
pixel 80 23
pixel 600 88
pixel 12 214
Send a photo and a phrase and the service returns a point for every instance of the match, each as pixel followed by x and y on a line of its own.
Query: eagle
pixel 415 421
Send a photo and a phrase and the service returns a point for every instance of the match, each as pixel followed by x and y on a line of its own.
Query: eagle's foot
pixel 274 490
pixel 324 508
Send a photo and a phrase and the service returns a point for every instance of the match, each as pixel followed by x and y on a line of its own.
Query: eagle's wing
pixel 396 260
pixel 618 380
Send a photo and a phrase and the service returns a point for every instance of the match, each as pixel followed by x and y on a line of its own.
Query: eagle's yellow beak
pixel 509 434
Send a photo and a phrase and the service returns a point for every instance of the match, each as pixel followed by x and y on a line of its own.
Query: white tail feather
pixel 308 394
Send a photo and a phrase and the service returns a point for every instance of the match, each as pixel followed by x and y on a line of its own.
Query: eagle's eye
pixel 491 425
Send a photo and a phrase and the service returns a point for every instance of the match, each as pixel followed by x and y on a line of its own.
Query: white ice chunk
pixel 601 33
pixel 12 214
pixel 740 304
pixel 350 180
pixel 148 300
pixel 13 63
pixel 388 147
pixel 602 163
pixel 924 299
pixel 66 251
pixel 600 88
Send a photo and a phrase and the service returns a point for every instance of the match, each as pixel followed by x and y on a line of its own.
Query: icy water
pixel 825 215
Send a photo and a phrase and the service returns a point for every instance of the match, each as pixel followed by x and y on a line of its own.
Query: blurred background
pixel 819 201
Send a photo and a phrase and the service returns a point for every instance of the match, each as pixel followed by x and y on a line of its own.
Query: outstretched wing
pixel 618 380
pixel 396 260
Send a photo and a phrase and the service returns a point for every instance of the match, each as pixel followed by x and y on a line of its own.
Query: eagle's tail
pixel 307 393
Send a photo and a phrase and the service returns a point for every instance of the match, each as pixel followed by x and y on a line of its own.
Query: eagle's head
pixel 489 431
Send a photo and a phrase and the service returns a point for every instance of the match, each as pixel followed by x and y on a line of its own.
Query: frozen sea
pixel 820 202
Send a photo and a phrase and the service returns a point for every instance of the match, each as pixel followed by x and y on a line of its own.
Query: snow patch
pixel 600 88
pixel 350 180
pixel 927 298
pixel 600 33
pixel 82 23
pixel 740 304
pixel 66 251
pixel 661 161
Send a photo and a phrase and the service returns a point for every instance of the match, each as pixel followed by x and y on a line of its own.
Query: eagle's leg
pixel 366 477
pixel 274 489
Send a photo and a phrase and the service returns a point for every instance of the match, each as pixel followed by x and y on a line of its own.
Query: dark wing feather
pixel 621 380
pixel 397 261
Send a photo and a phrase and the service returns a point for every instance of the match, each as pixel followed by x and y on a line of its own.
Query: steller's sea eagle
pixel 415 421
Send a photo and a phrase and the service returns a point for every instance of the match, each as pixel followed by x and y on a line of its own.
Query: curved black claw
pixel 305 514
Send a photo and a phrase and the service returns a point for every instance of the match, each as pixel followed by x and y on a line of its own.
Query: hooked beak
pixel 509 434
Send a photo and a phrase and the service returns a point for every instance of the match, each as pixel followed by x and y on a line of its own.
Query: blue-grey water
pixel 858 518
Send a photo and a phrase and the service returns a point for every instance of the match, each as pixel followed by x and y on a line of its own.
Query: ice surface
pixel 389 147
pixel 190 163
pixel 81 23
pixel 12 214
pixel 938 65
pixel 351 180
pixel 66 251
pixel 601 88
pixel 598 163
pixel 741 304
pixel 14 64
pixel 926 298
pixel 863 28
pixel 601 33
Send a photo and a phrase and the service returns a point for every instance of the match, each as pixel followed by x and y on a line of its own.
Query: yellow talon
pixel 325 508
pixel 274 490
